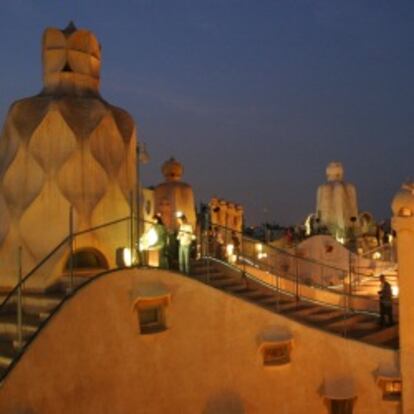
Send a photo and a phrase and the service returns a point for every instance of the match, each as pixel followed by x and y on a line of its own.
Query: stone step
pixel 5 361
pixel 7 354
pixel 346 322
pixel 382 336
pixel 225 282
pixel 254 295
pixel 393 343
pixel 291 306
pixel 63 284
pixel 270 301
pixel 237 289
pixel 218 276
pixel 17 346
pixel 8 325
pixel 41 303
pixel 366 326
pixel 325 315
pixel 312 309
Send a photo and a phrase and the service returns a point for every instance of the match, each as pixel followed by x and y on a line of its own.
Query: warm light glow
pixel 395 291
pixel 259 247
pixel 231 257
pixel 230 249
pixel 405 212
pixel 340 239
pixel 393 386
pixel 152 237
pixel 376 255
pixel 149 239
pixel 179 214
pixel 308 227
pixel 127 256
pixel 262 255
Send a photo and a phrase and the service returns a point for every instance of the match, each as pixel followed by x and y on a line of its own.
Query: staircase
pixel 37 307
pixel 359 326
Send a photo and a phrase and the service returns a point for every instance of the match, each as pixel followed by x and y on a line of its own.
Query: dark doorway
pixel 88 258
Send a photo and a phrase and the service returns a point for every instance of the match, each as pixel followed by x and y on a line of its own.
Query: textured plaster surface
pixel 90 358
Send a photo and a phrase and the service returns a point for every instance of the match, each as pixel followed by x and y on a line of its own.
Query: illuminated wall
pixel 209 360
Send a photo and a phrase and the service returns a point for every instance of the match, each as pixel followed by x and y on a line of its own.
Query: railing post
pixel 206 243
pixel 131 226
pixel 322 276
pixel 276 273
pixel 71 286
pixel 243 255
pixel 297 279
pixel 350 281
pixel 19 301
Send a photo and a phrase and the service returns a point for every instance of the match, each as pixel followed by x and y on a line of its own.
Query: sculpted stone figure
pixel 64 147
pixel 336 205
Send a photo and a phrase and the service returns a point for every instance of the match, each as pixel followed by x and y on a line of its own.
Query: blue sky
pixel 253 97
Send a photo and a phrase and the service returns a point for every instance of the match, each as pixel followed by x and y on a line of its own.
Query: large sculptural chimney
pixel 65 147
pixel 403 224
pixel 336 202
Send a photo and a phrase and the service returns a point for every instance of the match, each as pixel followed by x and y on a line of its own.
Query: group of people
pixel 157 238
pixel 217 246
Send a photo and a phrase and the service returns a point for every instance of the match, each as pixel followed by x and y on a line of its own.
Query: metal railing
pixel 385 252
pixel 301 277
pixel 66 268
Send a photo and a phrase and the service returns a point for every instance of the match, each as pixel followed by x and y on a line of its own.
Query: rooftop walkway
pixel 358 325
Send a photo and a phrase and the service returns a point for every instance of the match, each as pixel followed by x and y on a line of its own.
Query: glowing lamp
pixel 395 290
pixel 231 257
pixel 148 240
pixel 125 257
pixel 230 249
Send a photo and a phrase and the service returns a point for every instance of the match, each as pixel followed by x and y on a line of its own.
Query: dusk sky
pixel 253 97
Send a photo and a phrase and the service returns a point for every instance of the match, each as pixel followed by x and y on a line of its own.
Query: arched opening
pixel 87 258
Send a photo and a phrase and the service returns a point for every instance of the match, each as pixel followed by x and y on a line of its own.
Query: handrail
pixel 52 252
pixel 37 266
pixel 101 226
pixel 301 273
pixel 286 253
pixel 317 286
pixel 295 256
pixel 384 246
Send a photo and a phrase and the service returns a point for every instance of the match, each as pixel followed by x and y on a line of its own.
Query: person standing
pixel 236 243
pixel 185 237
pixel 162 242
pixel 385 301
pixel 155 239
